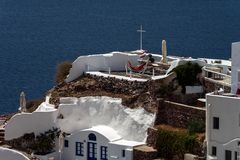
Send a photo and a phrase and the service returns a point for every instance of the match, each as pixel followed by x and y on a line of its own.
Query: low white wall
pixel 115 60
pixel 194 89
pixel 115 152
pixel 10 154
pixel 37 122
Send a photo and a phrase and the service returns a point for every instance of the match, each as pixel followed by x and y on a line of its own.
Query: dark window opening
pixel 66 143
pixel 79 148
pixel 214 151
pixel 92 137
pixel 228 155
pixel 103 153
pixel 123 153
pixel 215 123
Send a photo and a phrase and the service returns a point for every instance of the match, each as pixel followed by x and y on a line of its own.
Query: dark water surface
pixel 36 35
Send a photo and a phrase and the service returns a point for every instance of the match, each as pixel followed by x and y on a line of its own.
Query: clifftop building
pixel 223 117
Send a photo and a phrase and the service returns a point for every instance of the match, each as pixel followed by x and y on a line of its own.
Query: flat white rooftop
pixel 127 143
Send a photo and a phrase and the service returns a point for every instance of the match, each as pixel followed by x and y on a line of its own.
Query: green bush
pixel 172 144
pixel 45 142
pixel 62 71
pixel 196 126
pixel 187 74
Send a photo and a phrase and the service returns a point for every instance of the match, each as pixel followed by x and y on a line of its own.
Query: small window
pixel 79 148
pixel 239 123
pixel 123 153
pixel 66 143
pixel 238 75
pixel 92 137
pixel 228 155
pixel 103 153
pixel 235 155
pixel 215 123
pixel 214 151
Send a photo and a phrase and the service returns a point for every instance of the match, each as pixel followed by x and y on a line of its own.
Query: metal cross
pixel 141 31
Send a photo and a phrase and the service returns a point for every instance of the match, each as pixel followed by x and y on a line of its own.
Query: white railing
pixel 216 77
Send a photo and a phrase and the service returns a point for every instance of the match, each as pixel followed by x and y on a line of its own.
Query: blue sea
pixel 36 35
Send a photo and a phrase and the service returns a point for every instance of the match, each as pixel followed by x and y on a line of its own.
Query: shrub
pixel 172 144
pixel 62 71
pixel 187 74
pixel 45 142
pixel 196 126
pixel 166 90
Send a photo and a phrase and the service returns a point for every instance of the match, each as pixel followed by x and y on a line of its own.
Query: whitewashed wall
pixel 115 60
pixel 87 112
pixel 194 89
pixel 228 111
pixel 10 154
pixel 235 66
pixel 115 152
pixel 37 122
pixel 70 151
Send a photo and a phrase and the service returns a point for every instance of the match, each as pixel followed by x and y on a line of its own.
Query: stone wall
pixel 144 153
pixel 116 85
pixel 188 99
pixel 152 137
pixel 178 115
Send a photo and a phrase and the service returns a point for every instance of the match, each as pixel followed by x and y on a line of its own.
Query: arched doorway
pixel 92 147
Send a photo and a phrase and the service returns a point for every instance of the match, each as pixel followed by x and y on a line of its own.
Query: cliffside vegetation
pixel 45 142
pixel 187 74
pixel 62 71
pixel 173 145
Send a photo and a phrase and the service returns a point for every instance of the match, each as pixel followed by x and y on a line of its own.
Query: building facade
pixel 97 143
pixel 223 127
pixel 223 117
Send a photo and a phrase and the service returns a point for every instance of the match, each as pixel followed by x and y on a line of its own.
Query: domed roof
pixel 106 131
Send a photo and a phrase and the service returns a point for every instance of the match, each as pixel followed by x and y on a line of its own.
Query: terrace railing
pixel 216 77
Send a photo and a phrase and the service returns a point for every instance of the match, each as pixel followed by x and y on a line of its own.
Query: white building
pixel 96 127
pixel 235 67
pixel 99 142
pixel 223 118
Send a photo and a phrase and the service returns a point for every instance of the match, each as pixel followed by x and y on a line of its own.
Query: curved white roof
pixel 10 154
pixel 106 131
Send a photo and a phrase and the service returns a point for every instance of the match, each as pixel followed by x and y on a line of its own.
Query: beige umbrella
pixel 61 143
pixel 22 102
pixel 164 52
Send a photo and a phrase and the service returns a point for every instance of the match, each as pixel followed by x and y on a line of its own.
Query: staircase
pixel 2 133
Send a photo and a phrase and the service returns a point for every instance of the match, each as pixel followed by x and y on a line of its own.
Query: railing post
pixel 126 69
